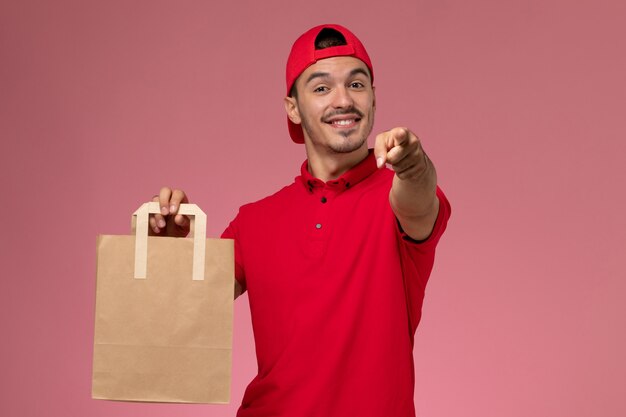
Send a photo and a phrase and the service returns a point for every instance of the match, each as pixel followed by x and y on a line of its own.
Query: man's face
pixel 335 104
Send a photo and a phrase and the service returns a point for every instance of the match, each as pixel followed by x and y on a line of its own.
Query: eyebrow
pixel 326 75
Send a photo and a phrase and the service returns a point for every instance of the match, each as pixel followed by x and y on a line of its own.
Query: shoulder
pixel 272 201
pixel 269 207
pixel 260 209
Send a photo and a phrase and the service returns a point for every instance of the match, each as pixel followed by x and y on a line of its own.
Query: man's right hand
pixel 169 222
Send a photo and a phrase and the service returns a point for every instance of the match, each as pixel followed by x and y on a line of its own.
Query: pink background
pixel 521 104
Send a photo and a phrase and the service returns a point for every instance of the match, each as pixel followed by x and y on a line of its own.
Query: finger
pixel 409 162
pixel 401 135
pixel 152 220
pixel 181 221
pixel 405 149
pixel 160 221
pixel 402 163
pixel 177 198
pixel 157 223
pixel 412 166
pixel 397 154
pixel 164 200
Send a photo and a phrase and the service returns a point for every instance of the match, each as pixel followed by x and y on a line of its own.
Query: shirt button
pixel 318 226
pixel 324 200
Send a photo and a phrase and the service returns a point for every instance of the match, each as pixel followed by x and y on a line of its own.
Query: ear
pixel 374 100
pixel 291 107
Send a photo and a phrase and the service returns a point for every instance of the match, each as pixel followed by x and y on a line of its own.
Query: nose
pixel 342 98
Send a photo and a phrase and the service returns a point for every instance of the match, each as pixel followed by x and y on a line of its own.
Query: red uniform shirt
pixel 335 291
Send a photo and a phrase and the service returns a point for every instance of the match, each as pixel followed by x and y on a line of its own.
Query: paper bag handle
pixel 197 227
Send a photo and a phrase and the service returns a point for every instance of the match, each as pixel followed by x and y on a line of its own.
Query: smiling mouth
pixel 344 123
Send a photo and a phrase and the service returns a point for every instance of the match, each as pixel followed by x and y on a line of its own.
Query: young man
pixel 336 263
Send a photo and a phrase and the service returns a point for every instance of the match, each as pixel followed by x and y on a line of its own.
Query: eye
pixel 320 89
pixel 357 85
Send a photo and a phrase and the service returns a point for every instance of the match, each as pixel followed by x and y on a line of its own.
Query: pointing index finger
pixel 400 135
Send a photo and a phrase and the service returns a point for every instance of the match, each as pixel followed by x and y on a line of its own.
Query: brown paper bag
pixel 164 312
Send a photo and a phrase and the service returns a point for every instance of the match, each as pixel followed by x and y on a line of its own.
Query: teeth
pixel 343 122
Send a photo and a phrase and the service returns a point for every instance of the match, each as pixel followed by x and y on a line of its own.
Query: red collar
pixel 349 179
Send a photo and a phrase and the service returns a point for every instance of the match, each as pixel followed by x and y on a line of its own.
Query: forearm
pixel 413 195
pixel 414 201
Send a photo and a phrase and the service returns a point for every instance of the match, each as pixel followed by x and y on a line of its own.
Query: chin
pixel 347 145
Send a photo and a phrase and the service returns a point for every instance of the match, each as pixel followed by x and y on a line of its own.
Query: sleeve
pixel 232 232
pixel 418 258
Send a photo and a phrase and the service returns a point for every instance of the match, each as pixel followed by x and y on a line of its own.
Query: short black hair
pixel 327 38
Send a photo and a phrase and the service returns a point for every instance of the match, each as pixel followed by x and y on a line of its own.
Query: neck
pixel 331 165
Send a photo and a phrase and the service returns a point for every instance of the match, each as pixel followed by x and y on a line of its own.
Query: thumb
pixel 381 146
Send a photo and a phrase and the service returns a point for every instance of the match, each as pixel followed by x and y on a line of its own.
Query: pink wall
pixel 521 104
